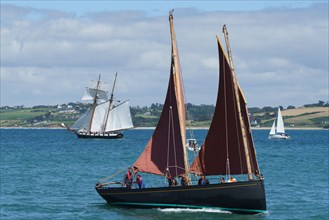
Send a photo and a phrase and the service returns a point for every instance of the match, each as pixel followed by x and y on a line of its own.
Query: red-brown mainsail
pixel 165 149
pixel 223 151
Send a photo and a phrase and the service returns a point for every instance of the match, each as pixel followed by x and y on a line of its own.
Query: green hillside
pixel 311 115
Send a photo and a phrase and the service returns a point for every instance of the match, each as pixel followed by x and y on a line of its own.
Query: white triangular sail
pixel 119 118
pixel 280 125
pixel 272 132
pixel 82 122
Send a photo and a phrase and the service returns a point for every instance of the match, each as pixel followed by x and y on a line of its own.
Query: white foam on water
pixel 207 210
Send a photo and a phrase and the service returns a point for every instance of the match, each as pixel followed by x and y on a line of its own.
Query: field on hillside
pixel 304 117
pixel 316 111
pixel 38 117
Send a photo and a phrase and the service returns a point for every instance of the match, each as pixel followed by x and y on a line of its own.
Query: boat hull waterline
pixel 101 136
pixel 246 197
pixel 278 136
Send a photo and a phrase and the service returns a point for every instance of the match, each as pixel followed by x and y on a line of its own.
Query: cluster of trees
pixel 148 116
pixel 319 104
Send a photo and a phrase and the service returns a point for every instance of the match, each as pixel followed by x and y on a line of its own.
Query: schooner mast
pixel 110 103
pixel 94 103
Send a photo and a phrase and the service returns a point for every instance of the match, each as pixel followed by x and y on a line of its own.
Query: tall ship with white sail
pixel 105 118
pixel 277 131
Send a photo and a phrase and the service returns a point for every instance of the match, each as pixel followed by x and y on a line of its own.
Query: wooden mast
pixel 179 92
pixel 111 102
pixel 237 91
pixel 94 103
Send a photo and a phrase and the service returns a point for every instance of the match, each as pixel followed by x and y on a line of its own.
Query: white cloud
pixel 280 55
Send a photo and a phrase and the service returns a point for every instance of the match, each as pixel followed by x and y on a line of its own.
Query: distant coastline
pixel 200 116
pixel 152 128
pixel 252 128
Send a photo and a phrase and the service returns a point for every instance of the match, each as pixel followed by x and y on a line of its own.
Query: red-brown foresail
pixel 165 149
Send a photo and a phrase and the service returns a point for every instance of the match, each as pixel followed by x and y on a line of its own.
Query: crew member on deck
pixel 174 182
pixel 139 181
pixel 171 180
pixel 183 181
pixel 203 181
pixel 128 178
pixel 232 180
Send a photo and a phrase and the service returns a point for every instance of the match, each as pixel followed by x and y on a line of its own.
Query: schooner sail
pixel 278 132
pixel 166 152
pixel 103 119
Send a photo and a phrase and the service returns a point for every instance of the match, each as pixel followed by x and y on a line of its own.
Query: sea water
pixel 51 174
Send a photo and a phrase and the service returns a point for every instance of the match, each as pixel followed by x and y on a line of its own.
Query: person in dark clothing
pixel 174 182
pixel 199 181
pixel 171 180
pixel 183 181
pixel 128 178
pixel 203 181
pixel 139 181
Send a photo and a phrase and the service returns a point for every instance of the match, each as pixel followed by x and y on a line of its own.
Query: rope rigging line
pixel 226 133
pixel 169 125
pixel 109 177
pixel 237 126
pixel 251 156
pixel 173 136
pixel 171 132
pixel 228 173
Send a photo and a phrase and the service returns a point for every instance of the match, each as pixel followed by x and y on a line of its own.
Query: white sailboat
pixel 192 144
pixel 278 132
pixel 104 119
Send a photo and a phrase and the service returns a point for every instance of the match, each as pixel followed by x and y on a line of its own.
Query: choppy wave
pixel 206 210
pixel 33 128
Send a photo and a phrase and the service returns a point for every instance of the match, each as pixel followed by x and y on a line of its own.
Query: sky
pixel 51 50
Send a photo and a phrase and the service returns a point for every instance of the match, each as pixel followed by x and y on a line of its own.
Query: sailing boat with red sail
pixel 229 135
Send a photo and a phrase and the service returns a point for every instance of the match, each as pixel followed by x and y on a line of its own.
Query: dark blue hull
pixel 100 136
pixel 240 197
